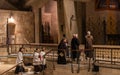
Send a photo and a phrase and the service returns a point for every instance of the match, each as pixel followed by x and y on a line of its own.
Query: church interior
pixel 37 24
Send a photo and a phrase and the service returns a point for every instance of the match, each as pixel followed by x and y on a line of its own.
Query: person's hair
pixel 64 35
pixel 88 32
pixel 43 48
pixel 20 49
pixel 35 49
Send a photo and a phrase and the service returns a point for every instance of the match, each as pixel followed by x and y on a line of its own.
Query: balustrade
pixel 107 54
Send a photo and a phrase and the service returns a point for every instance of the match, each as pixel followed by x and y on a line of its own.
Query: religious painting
pixel 111 25
pixel 46 21
pixel 46 25
pixel 107 4
pixel 49 18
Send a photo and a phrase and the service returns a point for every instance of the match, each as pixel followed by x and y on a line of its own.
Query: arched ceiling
pixel 15 5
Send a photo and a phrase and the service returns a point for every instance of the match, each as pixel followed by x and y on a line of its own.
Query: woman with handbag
pixel 61 52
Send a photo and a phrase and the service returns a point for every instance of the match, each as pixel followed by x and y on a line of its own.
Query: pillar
pixel 37 25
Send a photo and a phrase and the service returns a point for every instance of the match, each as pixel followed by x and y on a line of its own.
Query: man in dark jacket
pixel 75 47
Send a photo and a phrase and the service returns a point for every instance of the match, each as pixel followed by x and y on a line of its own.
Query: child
pixel 42 59
pixel 36 61
pixel 19 61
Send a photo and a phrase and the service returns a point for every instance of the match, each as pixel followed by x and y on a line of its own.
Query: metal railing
pixel 5 72
pixel 108 55
pixel 103 54
pixel 29 48
pixel 43 72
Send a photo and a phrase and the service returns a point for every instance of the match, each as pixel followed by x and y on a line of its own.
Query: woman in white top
pixel 19 61
pixel 36 61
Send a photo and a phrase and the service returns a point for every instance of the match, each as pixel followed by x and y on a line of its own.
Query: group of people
pixel 39 61
pixel 75 50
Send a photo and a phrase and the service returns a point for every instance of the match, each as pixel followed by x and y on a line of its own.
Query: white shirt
pixel 43 60
pixel 36 59
pixel 19 57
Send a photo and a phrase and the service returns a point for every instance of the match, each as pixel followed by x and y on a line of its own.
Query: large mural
pixel 103 24
pixel 107 4
pixel 49 23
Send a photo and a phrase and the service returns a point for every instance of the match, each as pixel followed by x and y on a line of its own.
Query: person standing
pixel 61 52
pixel 66 43
pixel 19 61
pixel 89 45
pixel 36 61
pixel 75 47
pixel 42 59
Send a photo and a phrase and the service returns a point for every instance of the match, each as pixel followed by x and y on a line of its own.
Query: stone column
pixel 70 23
pixel 81 19
pixel 37 25
pixel 61 20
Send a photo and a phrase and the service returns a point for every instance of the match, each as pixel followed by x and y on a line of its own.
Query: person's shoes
pixel 73 59
pixel 78 61
pixel 35 72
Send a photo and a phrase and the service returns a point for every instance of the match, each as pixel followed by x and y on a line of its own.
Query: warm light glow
pixel 82 0
pixel 11 20
pixel 29 69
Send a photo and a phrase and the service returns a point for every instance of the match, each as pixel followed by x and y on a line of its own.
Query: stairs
pixel 59 69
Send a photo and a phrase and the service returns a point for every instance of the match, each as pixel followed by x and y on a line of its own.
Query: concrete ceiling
pixel 15 4
pixel 36 3
pixel 82 0
pixel 6 5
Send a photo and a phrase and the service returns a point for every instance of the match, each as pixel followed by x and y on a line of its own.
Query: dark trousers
pixel 75 54
pixel 89 54
pixel 19 69
pixel 37 68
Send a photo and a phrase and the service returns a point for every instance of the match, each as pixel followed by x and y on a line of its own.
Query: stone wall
pixel 70 24
pixel 81 20
pixel 24 26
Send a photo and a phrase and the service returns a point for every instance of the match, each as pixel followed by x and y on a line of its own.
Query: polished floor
pixel 62 70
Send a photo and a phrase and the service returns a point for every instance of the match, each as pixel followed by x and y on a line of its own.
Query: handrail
pixel 48 52
pixel 106 46
pixel 53 57
pixel 108 55
pixel 10 68
pixel 14 47
pixel 44 44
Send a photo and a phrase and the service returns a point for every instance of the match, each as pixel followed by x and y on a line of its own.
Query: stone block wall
pixel 71 26
pixel 24 26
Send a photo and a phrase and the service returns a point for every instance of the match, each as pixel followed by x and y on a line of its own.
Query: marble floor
pixel 64 70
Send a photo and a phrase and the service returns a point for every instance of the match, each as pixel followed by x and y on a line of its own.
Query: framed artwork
pixel 107 4
pixel 46 21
